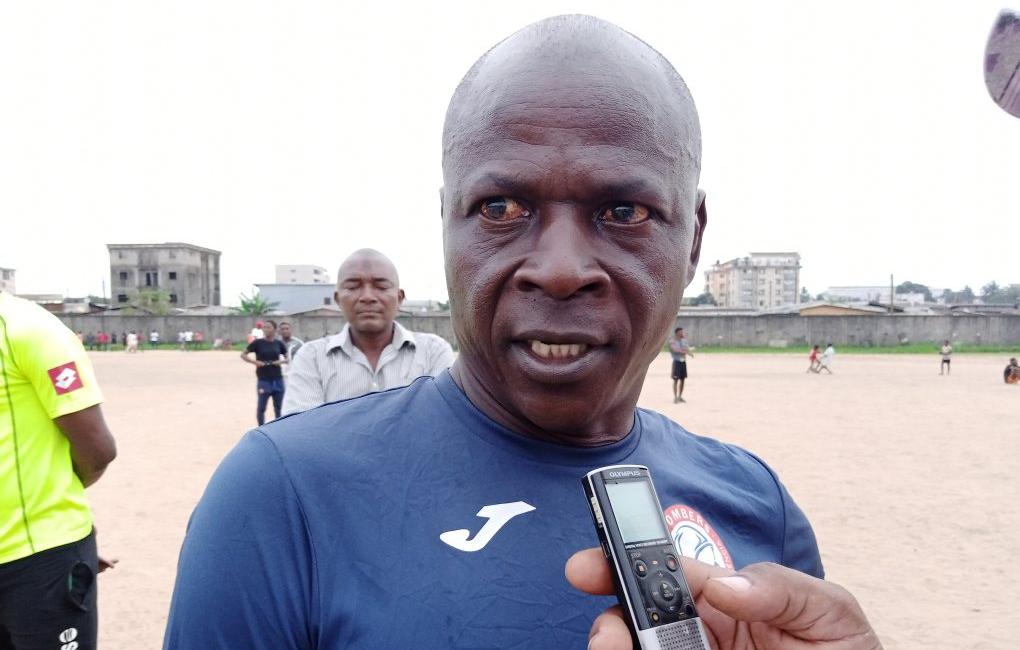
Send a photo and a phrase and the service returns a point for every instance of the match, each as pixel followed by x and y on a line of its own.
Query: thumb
pixel 803 606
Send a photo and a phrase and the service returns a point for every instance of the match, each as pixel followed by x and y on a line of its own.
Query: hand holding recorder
pixel 690 605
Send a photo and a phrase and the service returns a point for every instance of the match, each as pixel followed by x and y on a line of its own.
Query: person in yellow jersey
pixel 54 443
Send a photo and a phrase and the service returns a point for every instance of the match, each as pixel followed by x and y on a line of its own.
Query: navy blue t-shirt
pixel 409 519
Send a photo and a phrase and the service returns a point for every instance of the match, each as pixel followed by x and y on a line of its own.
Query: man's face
pixel 368 295
pixel 571 227
pixel 285 331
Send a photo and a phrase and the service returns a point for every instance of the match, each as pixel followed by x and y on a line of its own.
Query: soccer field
pixel 910 479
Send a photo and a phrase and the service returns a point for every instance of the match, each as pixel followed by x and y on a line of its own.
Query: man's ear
pixel 336 298
pixel 441 193
pixel 700 223
pixel 400 296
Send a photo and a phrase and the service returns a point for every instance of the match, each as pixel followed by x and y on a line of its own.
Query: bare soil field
pixel 911 480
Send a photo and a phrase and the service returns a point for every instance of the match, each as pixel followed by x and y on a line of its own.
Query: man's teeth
pixel 558 350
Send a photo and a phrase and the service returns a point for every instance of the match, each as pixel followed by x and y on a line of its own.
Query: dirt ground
pixel 910 479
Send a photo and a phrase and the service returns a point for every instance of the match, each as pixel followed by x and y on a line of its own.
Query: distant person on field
pixel 825 363
pixel 292 342
pixel 372 352
pixel 813 363
pixel 131 342
pixel 153 339
pixel 256 332
pixel 51 424
pixel 947 352
pixel 1011 375
pixel 199 339
pixel 679 349
pixel 270 355
pixel 90 341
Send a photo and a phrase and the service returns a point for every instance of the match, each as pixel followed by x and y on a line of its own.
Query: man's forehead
pixel 370 267
pixel 587 79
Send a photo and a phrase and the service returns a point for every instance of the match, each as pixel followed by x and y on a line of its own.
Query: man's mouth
pixel 557 350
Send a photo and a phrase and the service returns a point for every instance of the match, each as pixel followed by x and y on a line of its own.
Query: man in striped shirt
pixel 372 352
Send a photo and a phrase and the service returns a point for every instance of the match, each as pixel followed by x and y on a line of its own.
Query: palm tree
pixel 255 305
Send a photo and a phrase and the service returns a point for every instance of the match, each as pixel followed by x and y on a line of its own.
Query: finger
pixel 609 632
pixel 697 573
pixel 588 571
pixel 806 607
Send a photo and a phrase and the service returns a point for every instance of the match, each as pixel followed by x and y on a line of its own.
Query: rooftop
pixel 173 244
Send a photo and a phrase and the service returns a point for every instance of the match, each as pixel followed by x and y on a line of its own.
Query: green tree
pixel 805 295
pixel 153 301
pixel 914 287
pixel 992 293
pixel 965 296
pixel 254 305
pixel 705 298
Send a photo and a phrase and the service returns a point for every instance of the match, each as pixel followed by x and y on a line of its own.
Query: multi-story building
pixel 758 281
pixel 302 274
pixel 7 280
pixel 188 274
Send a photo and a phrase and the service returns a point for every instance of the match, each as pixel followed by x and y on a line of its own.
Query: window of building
pixel 173 297
pixel 325 301
pixel 151 278
pixel 121 297
pixel 123 277
pixel 172 275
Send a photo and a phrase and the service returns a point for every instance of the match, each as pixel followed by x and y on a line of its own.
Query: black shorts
pixel 945 361
pixel 679 369
pixel 48 600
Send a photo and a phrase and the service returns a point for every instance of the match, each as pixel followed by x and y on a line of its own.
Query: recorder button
pixel 641 568
pixel 671 563
pixel 666 591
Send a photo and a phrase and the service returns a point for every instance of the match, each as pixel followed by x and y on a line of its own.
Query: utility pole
pixel 892 293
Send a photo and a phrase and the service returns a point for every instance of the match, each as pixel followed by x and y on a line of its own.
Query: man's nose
pixel 367 294
pixel 563 262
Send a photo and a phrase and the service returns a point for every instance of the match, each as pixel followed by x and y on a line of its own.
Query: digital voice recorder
pixel 650 585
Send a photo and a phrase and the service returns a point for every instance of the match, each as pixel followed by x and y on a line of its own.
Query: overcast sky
pixel 858 134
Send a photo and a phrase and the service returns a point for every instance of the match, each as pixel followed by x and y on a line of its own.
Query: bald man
pixel 441 515
pixel 372 352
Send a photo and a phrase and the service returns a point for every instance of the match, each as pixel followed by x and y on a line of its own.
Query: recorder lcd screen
pixel 636 511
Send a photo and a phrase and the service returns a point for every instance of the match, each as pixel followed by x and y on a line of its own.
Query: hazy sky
pixel 859 134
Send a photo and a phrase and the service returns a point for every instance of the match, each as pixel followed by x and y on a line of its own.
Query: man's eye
pixel 628 213
pixel 501 208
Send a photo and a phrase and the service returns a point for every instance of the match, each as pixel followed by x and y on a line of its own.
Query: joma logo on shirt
pixel 65 378
pixel 498 515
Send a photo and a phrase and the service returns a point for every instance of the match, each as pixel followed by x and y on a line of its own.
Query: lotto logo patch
pixel 65 378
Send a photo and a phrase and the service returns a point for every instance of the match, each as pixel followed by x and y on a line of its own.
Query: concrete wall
pixel 236 328
pixel 882 329
pixel 702 330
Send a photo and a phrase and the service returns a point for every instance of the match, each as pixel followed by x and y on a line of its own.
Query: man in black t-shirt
pixel 270 355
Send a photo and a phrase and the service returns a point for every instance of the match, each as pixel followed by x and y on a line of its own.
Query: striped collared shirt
pixel 333 368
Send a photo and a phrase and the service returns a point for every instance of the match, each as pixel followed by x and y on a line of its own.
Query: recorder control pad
pixel 663 589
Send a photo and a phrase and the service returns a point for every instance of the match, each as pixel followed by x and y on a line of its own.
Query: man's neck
pixel 372 344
